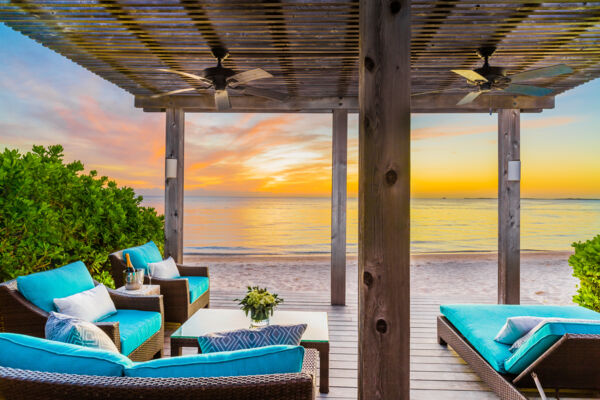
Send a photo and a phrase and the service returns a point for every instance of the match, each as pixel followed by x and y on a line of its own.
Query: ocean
pixel 301 226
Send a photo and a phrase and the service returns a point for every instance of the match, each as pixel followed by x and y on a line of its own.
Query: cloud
pixel 460 129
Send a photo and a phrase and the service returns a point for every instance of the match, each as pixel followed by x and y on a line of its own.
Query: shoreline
pixel 453 255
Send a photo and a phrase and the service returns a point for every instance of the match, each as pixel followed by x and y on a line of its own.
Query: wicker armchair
pixel 176 292
pixel 18 315
pixel 25 384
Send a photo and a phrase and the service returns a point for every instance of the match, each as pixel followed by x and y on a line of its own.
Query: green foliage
pixel 586 267
pixel 51 214
pixel 259 302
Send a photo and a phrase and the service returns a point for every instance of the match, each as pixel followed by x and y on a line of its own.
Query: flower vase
pixel 259 319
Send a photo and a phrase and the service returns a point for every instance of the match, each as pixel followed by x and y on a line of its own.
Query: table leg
pixel 175 348
pixel 324 369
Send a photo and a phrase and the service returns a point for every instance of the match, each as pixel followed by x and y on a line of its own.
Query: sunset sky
pixel 47 99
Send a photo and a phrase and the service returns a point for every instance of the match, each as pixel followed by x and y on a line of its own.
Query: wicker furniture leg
pixel 323 349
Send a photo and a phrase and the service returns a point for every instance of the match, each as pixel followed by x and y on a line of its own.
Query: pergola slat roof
pixel 311 47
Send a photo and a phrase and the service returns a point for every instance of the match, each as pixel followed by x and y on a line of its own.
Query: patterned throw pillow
pixel 66 329
pixel 252 338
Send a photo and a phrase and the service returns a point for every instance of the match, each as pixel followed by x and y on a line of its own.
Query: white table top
pixel 209 320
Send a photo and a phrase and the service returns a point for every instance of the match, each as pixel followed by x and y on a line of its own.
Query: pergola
pixel 372 57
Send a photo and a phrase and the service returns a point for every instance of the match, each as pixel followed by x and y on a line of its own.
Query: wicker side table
pixel 146 290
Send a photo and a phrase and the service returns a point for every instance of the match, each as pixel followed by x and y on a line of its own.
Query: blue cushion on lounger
pixel 135 327
pixel 142 255
pixel 543 339
pixel 28 352
pixel 42 288
pixel 480 324
pixel 259 361
pixel 197 284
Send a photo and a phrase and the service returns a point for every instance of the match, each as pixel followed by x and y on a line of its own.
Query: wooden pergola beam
pixel 429 103
pixel 175 144
pixel 339 161
pixel 384 200
pixel 509 207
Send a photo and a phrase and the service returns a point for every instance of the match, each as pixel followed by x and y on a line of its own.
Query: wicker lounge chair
pixel 569 363
pixel 176 292
pixel 18 315
pixel 25 384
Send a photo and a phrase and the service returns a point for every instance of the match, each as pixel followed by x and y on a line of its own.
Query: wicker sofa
pixel 25 384
pixel 176 292
pixel 18 315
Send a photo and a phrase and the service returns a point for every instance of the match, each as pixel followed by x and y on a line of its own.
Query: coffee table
pixel 208 320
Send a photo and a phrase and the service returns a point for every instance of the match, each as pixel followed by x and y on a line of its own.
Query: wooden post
pixel 384 197
pixel 509 208
pixel 174 186
pixel 338 207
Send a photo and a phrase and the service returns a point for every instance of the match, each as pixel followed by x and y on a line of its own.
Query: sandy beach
pixel 546 277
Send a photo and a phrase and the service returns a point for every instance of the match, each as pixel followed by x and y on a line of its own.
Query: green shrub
pixel 586 267
pixel 51 214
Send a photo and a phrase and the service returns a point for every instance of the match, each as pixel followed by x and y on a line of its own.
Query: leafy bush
pixel 51 214
pixel 586 267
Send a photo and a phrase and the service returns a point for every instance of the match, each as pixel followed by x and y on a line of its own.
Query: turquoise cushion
pixel 142 255
pixel 260 361
pixel 28 352
pixel 543 339
pixel 42 288
pixel 135 327
pixel 480 324
pixel 197 285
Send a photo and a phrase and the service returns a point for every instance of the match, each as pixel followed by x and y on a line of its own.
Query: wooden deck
pixel 436 372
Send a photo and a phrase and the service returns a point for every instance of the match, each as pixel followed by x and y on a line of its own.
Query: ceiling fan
pixel 223 79
pixel 488 78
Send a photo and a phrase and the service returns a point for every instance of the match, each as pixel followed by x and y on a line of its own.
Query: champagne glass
pixel 149 272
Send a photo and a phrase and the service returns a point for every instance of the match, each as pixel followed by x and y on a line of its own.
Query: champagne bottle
pixel 129 264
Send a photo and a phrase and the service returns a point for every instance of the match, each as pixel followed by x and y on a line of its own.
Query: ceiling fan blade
pixel 186 74
pixel 156 96
pixel 247 76
pixel 266 93
pixel 468 98
pixel 222 100
pixel 545 72
pixel 528 90
pixel 470 75
pixel 432 92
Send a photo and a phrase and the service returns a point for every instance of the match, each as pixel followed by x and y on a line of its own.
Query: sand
pixel 546 277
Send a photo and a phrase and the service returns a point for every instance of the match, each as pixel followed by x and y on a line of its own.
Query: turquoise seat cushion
pixel 543 339
pixel 32 353
pixel 135 327
pixel 480 324
pixel 197 284
pixel 142 255
pixel 42 288
pixel 260 361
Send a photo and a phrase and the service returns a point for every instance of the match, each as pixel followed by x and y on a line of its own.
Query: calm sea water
pixel 249 225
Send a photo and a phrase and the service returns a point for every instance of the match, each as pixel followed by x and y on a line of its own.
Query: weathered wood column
pixel 174 185
pixel 384 197
pixel 509 206
pixel 338 206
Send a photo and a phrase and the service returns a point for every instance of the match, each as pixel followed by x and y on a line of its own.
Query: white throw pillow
pixel 89 305
pixel 165 269
pixel 515 328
